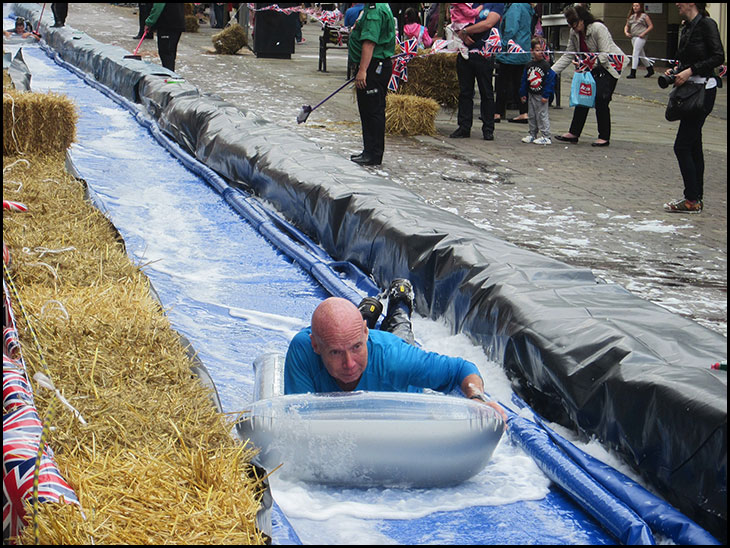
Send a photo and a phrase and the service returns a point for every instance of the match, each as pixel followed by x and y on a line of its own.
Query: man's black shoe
pixel 356 156
pixel 367 160
pixel 460 133
pixel 138 37
pixel 489 136
pixel 370 309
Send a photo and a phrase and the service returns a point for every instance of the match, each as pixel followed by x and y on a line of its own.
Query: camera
pixel 665 80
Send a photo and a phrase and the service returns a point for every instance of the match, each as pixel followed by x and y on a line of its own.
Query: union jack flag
pixel 11 344
pixel 492 45
pixel 616 61
pixel 439 45
pixel 586 62
pixel 14 206
pixel 16 390
pixel 21 434
pixel 393 82
pixel 514 47
pixel 409 47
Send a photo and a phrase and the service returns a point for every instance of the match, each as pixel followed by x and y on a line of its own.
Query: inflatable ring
pixel 365 439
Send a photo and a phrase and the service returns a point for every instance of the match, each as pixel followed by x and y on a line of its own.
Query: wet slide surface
pixel 235 297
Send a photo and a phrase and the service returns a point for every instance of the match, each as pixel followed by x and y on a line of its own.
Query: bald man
pixel 339 353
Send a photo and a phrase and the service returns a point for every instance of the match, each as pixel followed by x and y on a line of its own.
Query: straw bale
pixel 156 463
pixel 410 115
pixel 230 39
pixel 434 77
pixel 37 122
pixel 191 23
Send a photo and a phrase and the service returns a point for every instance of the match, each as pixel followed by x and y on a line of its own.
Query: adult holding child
pixel 589 35
pixel 638 25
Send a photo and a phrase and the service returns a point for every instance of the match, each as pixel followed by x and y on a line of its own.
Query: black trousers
pixel 605 85
pixel 167 47
pixel 371 104
pixel 688 150
pixel 508 88
pixel 60 12
pixel 144 13
pixel 478 68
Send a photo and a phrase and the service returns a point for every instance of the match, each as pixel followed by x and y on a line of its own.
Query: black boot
pixel 370 309
pixel 400 307
pixel 632 75
pixel 649 71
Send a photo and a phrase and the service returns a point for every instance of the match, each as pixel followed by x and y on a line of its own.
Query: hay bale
pixel 410 115
pixel 433 76
pixel 191 23
pixel 230 39
pixel 37 123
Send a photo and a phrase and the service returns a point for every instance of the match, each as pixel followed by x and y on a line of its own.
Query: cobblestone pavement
pixel 589 207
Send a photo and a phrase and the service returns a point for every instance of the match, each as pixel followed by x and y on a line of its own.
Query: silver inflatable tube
pixel 368 439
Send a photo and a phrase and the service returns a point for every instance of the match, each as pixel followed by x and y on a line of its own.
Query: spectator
pixel 168 19
pixel 144 12
pixel 700 51
pixel 414 29
pixel 60 12
pixel 516 26
pixel 536 91
pixel 351 15
pixel 477 67
pixel 587 34
pixel 638 25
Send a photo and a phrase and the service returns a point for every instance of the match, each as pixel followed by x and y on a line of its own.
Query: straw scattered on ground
pixel 156 463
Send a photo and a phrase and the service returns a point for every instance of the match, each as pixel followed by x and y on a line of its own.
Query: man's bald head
pixel 339 336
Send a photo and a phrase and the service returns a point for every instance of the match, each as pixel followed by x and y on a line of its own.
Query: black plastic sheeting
pixel 589 355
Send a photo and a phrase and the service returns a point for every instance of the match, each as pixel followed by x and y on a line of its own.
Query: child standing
pixel 537 88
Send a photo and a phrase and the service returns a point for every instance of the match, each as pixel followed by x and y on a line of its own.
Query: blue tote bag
pixel 583 90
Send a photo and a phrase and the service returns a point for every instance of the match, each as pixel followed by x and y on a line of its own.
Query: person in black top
pixel 700 51
pixel 168 19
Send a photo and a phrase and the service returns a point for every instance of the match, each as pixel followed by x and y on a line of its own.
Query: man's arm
pixel 366 56
pixel 473 388
pixel 491 21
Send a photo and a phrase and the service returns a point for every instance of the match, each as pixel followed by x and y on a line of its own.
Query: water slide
pixel 207 248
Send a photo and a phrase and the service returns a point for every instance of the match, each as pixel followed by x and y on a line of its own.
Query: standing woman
pixel 638 25
pixel 700 51
pixel 589 35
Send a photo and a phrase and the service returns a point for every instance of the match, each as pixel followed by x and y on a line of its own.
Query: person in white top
pixel 638 26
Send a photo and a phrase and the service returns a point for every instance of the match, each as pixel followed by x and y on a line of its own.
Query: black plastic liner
pixel 585 354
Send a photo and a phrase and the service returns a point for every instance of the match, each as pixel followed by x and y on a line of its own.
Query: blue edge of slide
pixel 624 508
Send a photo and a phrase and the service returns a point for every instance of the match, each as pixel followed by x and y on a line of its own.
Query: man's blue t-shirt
pixel 393 366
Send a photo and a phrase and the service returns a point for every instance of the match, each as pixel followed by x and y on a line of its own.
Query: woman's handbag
pixel 583 90
pixel 686 101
